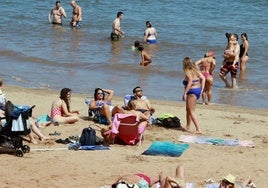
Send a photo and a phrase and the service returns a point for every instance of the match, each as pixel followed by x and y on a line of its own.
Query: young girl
pixel 194 83
pixel 145 58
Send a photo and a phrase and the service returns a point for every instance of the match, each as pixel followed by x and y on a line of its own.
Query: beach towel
pixel 77 146
pixel 215 141
pixel 166 149
pixel 43 118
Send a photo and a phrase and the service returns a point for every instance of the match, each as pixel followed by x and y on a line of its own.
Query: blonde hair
pixel 1 81
pixel 189 67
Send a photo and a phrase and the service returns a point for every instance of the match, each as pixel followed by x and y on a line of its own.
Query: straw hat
pixel 230 178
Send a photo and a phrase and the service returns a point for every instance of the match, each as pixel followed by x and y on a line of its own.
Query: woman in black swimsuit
pixel 243 56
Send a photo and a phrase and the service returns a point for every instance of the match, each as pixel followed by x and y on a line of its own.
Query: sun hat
pixel 230 178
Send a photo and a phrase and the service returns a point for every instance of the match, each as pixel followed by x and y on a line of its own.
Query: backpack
pixel 89 138
pixel 169 121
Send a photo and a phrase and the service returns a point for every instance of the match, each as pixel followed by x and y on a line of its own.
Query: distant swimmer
pixel 145 58
pixel 117 33
pixel 243 51
pixel 56 14
pixel 150 33
pixel 77 15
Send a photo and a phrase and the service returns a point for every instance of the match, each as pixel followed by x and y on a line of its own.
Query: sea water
pixel 36 54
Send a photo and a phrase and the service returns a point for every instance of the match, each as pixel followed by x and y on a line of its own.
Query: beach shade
pixel 166 149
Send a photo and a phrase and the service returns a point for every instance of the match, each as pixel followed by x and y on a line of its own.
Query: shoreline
pixel 52 164
pixel 119 100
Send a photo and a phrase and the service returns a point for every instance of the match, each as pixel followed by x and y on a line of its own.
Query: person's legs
pixel 105 111
pixel 243 61
pixel 36 131
pixel 191 103
pixel 32 140
pixel 209 84
pixel 65 120
pixel 180 173
pixel 223 72
pixel 233 74
pixel 188 118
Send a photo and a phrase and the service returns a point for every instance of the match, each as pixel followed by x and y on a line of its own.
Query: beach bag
pixel 89 138
pixel 169 121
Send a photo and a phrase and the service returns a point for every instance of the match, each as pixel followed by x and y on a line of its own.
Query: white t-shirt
pixel 2 100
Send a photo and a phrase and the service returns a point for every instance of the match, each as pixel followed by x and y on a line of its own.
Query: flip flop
pixel 74 137
pixel 56 133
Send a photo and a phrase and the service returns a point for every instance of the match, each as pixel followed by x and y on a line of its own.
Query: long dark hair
pixel 63 96
pixel 96 93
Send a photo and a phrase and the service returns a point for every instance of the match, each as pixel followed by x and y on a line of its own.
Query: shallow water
pixel 35 54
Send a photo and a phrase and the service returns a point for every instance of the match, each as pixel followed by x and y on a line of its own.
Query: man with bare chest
pixel 56 14
pixel 77 15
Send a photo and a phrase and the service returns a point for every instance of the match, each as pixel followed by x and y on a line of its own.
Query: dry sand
pixel 68 168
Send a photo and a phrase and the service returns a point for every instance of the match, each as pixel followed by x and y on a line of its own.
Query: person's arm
pixel 155 33
pixel 92 105
pixel 145 35
pixel 187 87
pixel 110 94
pixel 198 62
pixel 152 110
pixel 79 14
pixel 212 66
pixel 63 12
pixel 236 54
pixel 116 26
pixel 65 110
pixel 49 16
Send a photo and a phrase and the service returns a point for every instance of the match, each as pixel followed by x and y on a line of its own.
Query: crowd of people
pixel 198 82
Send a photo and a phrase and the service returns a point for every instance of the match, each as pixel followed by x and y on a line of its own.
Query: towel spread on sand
pixel 215 141
pixel 166 149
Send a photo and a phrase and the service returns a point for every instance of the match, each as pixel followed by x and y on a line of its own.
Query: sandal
pixel 56 133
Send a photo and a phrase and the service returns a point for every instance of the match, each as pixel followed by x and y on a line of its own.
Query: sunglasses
pixel 100 93
pixel 138 91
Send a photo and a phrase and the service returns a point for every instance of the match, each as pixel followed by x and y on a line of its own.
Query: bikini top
pixel 185 82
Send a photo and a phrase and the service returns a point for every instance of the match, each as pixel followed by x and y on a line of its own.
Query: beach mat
pixel 166 149
pixel 215 141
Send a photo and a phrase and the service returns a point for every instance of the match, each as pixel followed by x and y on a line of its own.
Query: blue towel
pixel 166 149
pixel 216 141
pixel 43 119
pixel 96 147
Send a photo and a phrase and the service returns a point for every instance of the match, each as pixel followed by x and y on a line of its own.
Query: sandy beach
pixel 56 166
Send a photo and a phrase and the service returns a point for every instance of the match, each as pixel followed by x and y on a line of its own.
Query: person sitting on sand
pixel 60 109
pixel 102 103
pixel 33 123
pixel 145 58
pixel 142 105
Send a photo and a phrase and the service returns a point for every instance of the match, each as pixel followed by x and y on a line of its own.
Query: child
pixel 136 45
pixel 145 58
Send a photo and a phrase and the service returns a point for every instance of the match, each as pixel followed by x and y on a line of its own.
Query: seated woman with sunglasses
pixel 102 104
